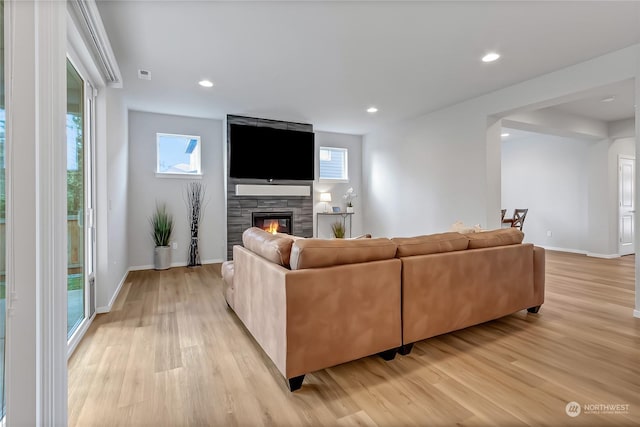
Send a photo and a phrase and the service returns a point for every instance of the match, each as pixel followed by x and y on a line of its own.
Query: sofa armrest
pixel 539 271
pixel 260 302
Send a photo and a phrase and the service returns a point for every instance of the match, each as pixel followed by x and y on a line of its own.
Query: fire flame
pixel 273 227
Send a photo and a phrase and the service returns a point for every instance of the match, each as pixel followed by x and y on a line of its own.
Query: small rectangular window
pixel 178 154
pixel 334 164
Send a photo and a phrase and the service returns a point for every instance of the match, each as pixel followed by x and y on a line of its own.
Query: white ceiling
pixel 325 62
pixel 590 104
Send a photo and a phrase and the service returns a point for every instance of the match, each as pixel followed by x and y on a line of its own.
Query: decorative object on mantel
pixel 326 198
pixel 335 209
pixel 162 226
pixel 349 196
pixel 194 199
pixel 338 230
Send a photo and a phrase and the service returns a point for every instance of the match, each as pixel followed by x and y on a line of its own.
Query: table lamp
pixel 326 198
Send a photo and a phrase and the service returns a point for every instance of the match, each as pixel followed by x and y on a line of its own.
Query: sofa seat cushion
pixel 317 253
pixel 431 244
pixel 274 248
pixel 489 239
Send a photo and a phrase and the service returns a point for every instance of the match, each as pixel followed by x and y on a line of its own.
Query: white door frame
pixel 625 248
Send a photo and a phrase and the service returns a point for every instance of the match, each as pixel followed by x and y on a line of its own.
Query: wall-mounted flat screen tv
pixel 270 154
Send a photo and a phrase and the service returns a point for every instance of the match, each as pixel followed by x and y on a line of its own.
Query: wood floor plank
pixel 171 353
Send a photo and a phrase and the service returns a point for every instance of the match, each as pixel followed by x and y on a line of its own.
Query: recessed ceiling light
pixel 504 135
pixel 205 83
pixel 490 57
pixel 372 110
pixel 608 99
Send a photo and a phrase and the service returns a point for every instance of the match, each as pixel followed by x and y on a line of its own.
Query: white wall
pixel 421 175
pixel 549 176
pixel 337 189
pixel 111 197
pixel 145 189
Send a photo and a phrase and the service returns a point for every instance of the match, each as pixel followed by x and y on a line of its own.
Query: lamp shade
pixel 325 197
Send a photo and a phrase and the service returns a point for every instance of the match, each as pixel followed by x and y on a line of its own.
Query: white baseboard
pixel 174 264
pixel 605 256
pixel 212 261
pixel 572 251
pixel 636 313
pixel 143 267
pixel 101 310
pixel 581 252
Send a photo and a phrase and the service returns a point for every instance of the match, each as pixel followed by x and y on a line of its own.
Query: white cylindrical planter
pixel 349 209
pixel 162 257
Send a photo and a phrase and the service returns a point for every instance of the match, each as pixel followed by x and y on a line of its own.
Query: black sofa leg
pixel 533 309
pixel 388 354
pixel 405 349
pixel 295 383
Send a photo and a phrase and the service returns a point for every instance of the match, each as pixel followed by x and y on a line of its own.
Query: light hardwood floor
pixel 171 353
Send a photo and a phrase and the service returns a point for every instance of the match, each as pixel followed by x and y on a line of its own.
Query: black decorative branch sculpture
pixel 194 198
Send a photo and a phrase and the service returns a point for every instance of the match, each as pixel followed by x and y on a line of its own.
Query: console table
pixel 344 216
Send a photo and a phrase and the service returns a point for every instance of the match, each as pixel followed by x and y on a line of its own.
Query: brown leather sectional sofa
pixel 315 303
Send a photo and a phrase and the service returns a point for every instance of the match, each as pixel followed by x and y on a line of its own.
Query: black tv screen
pixel 270 154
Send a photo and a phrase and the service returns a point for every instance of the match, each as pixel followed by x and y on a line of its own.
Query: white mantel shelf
pixel 272 190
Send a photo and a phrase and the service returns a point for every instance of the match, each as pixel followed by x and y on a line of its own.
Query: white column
pixel 36 380
pixel 494 174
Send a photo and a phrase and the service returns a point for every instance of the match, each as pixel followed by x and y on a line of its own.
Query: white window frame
pixel 197 153
pixel 345 177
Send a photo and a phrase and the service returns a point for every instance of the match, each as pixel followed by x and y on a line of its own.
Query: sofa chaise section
pixel 339 301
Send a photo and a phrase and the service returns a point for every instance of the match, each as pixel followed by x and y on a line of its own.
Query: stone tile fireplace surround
pixel 242 208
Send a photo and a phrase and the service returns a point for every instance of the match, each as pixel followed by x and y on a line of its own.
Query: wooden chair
pixel 508 221
pixel 518 218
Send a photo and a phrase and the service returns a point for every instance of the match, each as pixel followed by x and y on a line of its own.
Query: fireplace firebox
pixel 273 222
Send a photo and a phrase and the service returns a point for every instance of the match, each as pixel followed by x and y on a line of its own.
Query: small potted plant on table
pixel 349 196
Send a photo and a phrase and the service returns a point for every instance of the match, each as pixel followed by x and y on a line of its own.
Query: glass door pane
pixel 75 200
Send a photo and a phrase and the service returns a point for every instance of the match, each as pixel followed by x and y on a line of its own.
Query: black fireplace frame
pixel 266 215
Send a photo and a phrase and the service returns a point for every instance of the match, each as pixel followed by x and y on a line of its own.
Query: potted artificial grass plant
pixel 162 227
pixel 338 230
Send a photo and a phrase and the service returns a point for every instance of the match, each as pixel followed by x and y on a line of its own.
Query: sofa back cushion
pixel 274 248
pixel 489 239
pixel 316 253
pixel 431 244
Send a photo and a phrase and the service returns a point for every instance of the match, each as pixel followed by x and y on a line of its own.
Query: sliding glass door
pixel 75 200
pixel 80 230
